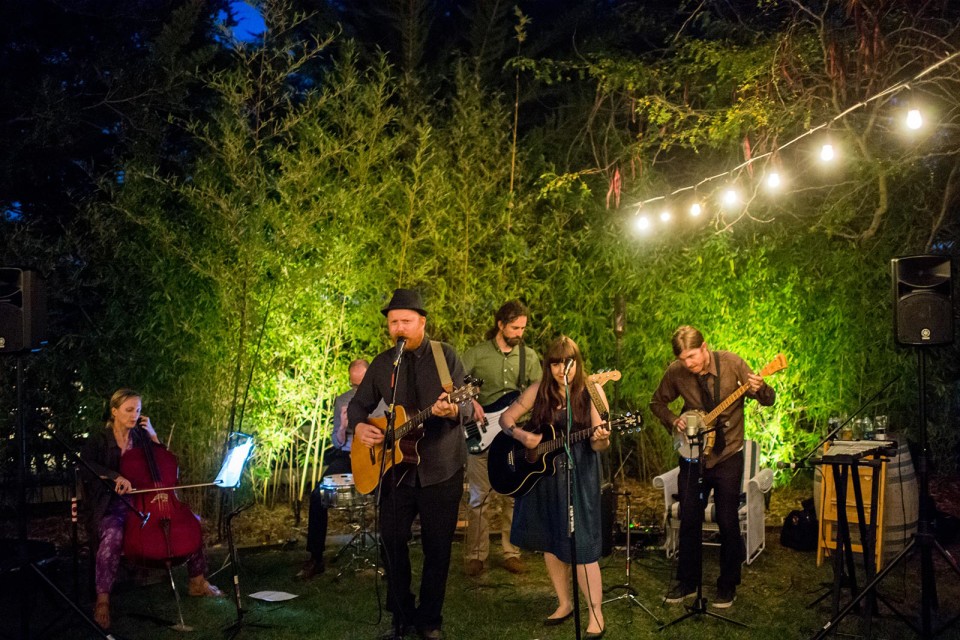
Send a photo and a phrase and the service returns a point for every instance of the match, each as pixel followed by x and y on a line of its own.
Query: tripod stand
pixel 357 546
pixel 629 593
pixel 924 539
pixel 699 606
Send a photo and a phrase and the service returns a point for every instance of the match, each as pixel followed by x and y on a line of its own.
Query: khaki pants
pixel 483 501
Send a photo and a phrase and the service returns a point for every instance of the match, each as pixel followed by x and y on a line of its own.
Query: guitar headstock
pixel 627 423
pixel 603 377
pixel 469 390
pixel 779 363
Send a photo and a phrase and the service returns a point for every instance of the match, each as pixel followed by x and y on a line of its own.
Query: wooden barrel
pixel 901 504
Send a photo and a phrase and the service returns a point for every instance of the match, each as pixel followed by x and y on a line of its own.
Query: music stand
pixel 239 448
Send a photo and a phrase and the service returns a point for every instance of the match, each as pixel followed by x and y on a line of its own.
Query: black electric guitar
pixel 514 469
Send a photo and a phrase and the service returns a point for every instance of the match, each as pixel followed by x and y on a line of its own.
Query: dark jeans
pixel 724 479
pixel 339 462
pixel 438 506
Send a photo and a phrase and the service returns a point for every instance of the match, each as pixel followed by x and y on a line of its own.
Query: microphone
pixel 791 465
pixel 401 343
pixel 693 425
pixel 567 365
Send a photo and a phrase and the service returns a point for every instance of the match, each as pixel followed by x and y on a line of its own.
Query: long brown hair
pixel 550 395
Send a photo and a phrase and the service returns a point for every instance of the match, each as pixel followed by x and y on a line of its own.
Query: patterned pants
pixel 111 547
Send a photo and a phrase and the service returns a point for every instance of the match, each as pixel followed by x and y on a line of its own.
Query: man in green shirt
pixel 506 366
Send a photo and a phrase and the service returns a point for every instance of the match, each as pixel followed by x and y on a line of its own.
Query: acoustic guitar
pixel 481 433
pixel 400 447
pixel 515 469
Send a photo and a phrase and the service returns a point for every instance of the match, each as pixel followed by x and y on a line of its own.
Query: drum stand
pixel 629 593
pixel 358 547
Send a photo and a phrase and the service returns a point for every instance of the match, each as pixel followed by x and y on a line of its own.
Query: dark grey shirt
pixel 442 449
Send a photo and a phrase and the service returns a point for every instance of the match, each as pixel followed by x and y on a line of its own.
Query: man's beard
pixel 512 342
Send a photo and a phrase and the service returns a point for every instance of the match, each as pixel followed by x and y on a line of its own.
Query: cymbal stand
pixel 629 593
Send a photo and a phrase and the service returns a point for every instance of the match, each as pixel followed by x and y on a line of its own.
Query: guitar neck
pixel 733 397
pixel 412 423
pixel 552 445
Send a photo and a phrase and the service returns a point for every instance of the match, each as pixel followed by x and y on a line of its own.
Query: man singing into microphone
pixel 432 489
pixel 704 378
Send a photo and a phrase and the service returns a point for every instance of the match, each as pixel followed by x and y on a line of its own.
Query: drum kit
pixel 339 493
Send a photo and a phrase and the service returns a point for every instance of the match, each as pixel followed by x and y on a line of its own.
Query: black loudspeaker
pixel 23 311
pixel 922 300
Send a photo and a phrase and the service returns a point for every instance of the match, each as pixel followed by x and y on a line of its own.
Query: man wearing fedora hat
pixel 431 489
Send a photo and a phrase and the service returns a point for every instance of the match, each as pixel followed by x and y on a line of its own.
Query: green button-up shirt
pixel 498 370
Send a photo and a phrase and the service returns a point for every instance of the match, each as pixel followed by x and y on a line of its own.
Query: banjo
pixel 698 421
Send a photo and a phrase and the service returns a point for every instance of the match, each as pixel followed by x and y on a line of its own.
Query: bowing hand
pixel 122 485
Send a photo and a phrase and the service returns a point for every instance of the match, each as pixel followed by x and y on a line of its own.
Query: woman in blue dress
pixel 539 516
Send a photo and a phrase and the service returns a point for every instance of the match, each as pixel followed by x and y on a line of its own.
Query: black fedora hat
pixel 405 299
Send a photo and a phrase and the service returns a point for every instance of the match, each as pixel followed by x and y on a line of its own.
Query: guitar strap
pixel 592 389
pixel 522 380
pixel 442 369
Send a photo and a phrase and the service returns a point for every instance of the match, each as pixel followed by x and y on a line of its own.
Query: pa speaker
pixel 922 300
pixel 23 311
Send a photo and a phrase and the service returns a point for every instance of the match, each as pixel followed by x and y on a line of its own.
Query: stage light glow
pixel 773 181
pixel 914 119
pixel 827 153
pixel 641 223
pixel 695 210
pixel 665 216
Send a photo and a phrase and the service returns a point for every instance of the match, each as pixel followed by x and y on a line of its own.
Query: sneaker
pixel 473 568
pixel 725 597
pixel 514 565
pixel 678 593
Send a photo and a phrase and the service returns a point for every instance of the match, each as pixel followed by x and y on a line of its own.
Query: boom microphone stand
pixel 924 539
pixel 699 606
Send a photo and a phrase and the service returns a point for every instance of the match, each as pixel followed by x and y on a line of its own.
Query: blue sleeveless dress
pixel 540 517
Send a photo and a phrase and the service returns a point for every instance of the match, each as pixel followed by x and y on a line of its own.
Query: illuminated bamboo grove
pixel 219 221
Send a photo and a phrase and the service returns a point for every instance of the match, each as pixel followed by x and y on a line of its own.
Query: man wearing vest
pixel 507 367
pixel 704 378
pixel 431 489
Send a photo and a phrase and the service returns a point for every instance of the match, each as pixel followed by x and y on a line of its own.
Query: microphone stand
pixel 802 462
pixel 571 528
pixel 699 606
pixel 388 445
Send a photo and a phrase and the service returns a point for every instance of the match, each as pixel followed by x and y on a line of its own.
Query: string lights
pixel 730 197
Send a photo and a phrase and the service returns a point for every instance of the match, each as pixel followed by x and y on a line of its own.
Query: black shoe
pixel 405 632
pixel 431 634
pixel 595 636
pixel 678 593
pixel 310 569
pixel 552 622
pixel 725 597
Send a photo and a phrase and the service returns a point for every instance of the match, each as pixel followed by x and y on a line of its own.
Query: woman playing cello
pixel 104 451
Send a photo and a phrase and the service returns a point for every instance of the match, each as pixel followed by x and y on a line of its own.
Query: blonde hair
pixel 686 337
pixel 118 398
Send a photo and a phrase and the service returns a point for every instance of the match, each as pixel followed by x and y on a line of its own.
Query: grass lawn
pixel 773 600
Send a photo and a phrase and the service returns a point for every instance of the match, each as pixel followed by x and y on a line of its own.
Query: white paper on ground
pixel 273 596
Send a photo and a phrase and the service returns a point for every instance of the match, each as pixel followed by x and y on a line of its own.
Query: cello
pixel 172 532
